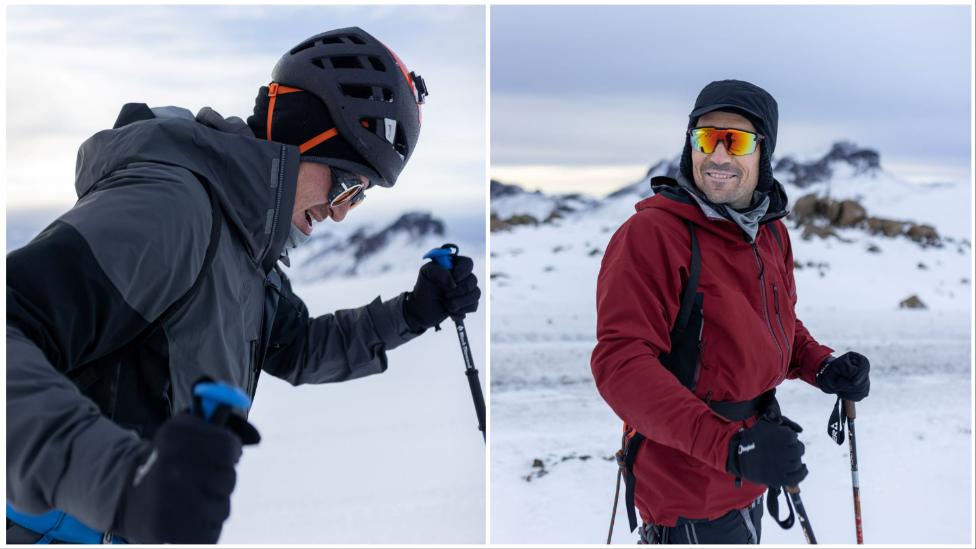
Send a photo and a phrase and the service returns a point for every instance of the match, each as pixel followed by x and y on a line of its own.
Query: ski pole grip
pixel 849 409
pixel 216 399
pixel 443 256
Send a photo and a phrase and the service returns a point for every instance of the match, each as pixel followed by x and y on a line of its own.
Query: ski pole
pixel 793 492
pixel 214 401
pixel 855 482
pixel 442 256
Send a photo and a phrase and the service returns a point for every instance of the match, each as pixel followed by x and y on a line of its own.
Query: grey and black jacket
pixel 164 271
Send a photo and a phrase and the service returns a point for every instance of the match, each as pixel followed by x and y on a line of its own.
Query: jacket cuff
pixel 99 454
pixel 389 321
pixel 714 450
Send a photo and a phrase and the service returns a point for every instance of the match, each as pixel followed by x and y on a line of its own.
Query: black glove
pixel 768 453
pixel 440 293
pixel 846 376
pixel 181 492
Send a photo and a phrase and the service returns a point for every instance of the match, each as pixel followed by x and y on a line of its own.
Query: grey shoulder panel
pixel 61 452
pixel 148 226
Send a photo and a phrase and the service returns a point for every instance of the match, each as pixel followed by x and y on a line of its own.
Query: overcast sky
pixel 69 70
pixel 586 98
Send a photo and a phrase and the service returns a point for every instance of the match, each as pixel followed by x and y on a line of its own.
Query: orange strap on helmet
pixel 275 89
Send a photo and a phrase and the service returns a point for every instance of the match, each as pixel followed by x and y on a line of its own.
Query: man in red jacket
pixel 696 327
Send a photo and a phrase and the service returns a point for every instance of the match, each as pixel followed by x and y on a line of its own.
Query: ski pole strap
pixel 625 461
pixel 56 526
pixel 772 503
pixel 835 425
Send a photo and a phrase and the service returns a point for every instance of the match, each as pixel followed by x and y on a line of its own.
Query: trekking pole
pixel 855 482
pixel 442 256
pixel 793 492
pixel 842 413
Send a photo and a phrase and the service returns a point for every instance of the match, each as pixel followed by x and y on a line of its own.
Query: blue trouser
pixel 739 526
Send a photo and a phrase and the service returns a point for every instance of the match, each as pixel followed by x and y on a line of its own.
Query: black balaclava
pixel 748 100
pixel 298 117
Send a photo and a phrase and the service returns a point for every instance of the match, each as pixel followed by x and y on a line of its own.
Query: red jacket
pixel 751 341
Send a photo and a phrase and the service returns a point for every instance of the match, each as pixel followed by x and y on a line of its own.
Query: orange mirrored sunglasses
pixel 736 142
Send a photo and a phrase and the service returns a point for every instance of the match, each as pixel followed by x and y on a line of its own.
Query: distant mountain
pixel 368 250
pixel 642 188
pixel 861 160
pixel 512 205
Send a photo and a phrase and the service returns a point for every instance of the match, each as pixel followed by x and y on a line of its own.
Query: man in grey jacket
pixel 165 273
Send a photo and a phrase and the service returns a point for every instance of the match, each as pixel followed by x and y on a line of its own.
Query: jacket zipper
pixel 762 292
pixel 251 368
pixel 779 319
pixel 277 205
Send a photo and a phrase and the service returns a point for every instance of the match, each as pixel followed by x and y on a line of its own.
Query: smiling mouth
pixel 721 176
pixel 312 217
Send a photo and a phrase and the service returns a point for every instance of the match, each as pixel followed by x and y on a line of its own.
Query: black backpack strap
pixel 88 374
pixel 682 361
pixel 779 240
pixel 688 297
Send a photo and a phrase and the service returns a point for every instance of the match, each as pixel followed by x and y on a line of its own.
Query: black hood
pixel 254 180
pixel 748 100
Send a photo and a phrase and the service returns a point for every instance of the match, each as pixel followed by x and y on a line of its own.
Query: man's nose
pixel 339 212
pixel 720 155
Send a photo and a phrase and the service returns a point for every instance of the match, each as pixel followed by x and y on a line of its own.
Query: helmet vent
pixel 377 64
pixel 355 39
pixel 302 46
pixel 375 93
pixel 346 62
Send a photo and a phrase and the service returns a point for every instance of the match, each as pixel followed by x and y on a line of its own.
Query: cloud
pixel 614 84
pixel 70 69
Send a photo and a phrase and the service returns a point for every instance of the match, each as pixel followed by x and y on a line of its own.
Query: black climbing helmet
pixel 373 99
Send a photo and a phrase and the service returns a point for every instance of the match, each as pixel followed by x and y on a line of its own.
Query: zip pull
pixel 776 297
pixel 759 259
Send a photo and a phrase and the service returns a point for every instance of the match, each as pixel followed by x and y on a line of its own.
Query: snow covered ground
pixel 391 458
pixel 914 430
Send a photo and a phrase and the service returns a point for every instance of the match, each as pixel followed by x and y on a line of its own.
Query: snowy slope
pixel 914 430
pixel 391 458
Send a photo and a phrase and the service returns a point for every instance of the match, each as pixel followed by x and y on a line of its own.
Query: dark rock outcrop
pixel 822 216
pixel 498 224
pixel 912 302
